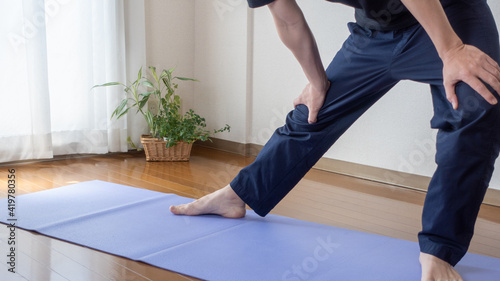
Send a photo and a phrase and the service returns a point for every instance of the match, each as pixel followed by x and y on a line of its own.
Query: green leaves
pixel 175 128
pixel 185 79
pixel 167 122
pixel 119 111
pixel 152 69
pixel 109 84
pixel 150 120
pixel 147 84
pixel 139 75
pixel 132 144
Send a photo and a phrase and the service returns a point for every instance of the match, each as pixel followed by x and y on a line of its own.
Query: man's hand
pixel 312 97
pixel 297 36
pixel 461 62
pixel 469 64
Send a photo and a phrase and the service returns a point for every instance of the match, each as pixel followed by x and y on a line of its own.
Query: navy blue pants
pixel 369 64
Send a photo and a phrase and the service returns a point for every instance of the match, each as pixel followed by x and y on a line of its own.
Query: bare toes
pixel 180 209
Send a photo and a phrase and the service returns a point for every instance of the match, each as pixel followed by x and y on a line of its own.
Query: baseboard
pixel 399 179
pixel 228 146
pixel 61 157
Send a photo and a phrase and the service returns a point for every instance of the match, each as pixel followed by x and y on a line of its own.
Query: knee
pixel 299 115
pixel 297 120
pixel 297 124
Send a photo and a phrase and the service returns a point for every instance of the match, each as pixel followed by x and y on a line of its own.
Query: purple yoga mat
pixel 136 224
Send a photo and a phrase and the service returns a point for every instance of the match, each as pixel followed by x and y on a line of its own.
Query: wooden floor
pixel 320 197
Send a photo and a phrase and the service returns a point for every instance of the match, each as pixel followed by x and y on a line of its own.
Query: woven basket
pixel 157 151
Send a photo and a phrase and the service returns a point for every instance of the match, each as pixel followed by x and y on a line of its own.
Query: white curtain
pixel 52 52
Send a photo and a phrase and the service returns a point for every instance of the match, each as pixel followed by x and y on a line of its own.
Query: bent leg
pixel 467 145
pixel 468 139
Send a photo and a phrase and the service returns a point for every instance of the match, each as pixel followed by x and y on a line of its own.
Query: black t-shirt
pixel 373 14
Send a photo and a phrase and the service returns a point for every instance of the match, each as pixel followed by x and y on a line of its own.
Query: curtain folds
pixel 55 52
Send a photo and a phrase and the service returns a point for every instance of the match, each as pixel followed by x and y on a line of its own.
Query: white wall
pixel 254 97
pixel 221 66
pixel 495 8
pixel 170 40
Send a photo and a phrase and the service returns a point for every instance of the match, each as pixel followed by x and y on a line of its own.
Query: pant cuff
pixel 442 252
pixel 239 189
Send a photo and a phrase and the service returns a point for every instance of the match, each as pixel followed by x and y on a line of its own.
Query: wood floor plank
pixel 320 197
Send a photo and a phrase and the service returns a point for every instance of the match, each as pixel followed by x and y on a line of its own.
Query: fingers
pixel 297 101
pixel 479 87
pixel 313 112
pixel 313 99
pixel 451 95
pixel 491 74
pixel 301 99
pixel 476 69
pixel 492 62
pixel 313 116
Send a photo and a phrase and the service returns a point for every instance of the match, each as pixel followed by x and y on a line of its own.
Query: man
pixel 451 45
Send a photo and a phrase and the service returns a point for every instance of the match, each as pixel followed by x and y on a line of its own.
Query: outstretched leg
pixel 359 75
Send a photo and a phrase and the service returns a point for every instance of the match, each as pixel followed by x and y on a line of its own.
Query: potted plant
pixel 171 133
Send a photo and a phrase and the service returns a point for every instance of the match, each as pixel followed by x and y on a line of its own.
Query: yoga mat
pixel 136 224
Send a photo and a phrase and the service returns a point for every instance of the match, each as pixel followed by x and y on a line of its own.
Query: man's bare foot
pixel 224 202
pixel 435 269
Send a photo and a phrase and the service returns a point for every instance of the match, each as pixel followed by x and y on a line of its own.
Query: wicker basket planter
pixel 156 150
